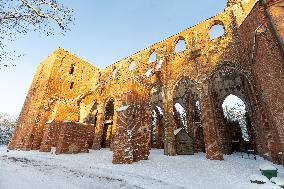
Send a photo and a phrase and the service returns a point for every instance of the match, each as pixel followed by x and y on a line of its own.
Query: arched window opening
pixel 72 69
pixel 180 46
pixel 181 115
pixel 153 57
pixel 235 111
pixel 131 65
pixel 72 85
pixel 157 133
pixel 216 31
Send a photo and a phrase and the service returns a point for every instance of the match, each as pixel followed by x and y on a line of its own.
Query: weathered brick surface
pixel 246 61
pixel 132 137
pixel 212 144
pixel 73 138
pixel 90 135
pixel 51 136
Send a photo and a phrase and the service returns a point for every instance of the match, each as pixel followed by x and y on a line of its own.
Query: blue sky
pixel 104 32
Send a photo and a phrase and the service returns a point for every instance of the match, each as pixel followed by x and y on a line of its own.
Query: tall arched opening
pixel 107 124
pixel 237 129
pixel 157 127
pixel 228 81
pixel 187 112
pixel 157 133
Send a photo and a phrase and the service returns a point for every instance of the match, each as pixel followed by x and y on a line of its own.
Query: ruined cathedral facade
pixel 129 106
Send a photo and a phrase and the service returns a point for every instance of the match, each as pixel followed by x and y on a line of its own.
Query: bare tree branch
pixel 19 17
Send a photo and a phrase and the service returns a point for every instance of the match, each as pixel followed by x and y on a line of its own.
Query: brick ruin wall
pixel 51 97
pixel 68 89
pixel 131 142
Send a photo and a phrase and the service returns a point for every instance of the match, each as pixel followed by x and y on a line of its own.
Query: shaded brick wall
pixel 73 138
pixel 50 97
pixel 265 59
pixel 51 136
pixel 132 138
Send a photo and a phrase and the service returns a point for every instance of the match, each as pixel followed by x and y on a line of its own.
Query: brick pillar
pixel 223 130
pixel 169 123
pixel 99 128
pixel 212 146
pixel 132 138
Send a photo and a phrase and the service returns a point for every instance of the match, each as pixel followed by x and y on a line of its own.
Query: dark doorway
pixel 108 124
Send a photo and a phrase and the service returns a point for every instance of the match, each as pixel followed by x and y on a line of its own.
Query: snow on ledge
pixel 177 131
pixel 159 65
pixel 149 72
pixel 107 121
pixel 122 108
pixel 50 121
pixel 267 167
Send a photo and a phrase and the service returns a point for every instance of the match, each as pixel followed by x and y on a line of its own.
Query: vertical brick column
pixel 131 142
pixel 123 141
pixel 169 123
pixel 212 146
pixel 223 132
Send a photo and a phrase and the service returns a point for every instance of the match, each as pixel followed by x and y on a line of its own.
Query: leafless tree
pixel 237 113
pixel 24 16
pixel 7 125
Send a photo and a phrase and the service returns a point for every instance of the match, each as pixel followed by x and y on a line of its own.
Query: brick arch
pixel 180 79
pixel 236 68
pixel 217 22
pixel 108 100
pixel 89 109
pixel 187 101
pixel 257 114
pixel 232 65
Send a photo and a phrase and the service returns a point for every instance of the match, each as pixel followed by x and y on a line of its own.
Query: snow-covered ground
pixel 94 170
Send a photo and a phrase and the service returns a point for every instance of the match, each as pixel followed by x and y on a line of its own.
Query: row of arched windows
pixel 215 32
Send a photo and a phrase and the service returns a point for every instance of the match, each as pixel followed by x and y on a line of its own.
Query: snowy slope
pixel 33 170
